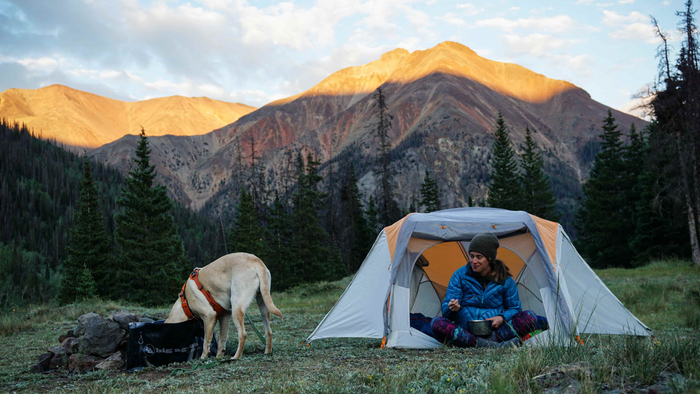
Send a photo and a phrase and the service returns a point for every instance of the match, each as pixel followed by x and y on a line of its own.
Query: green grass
pixel 664 295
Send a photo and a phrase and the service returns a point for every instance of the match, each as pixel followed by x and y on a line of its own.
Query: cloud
pixel 534 44
pixel 556 24
pixel 635 31
pixel 582 64
pixel 613 19
pixel 452 19
pixel 638 107
pixel 41 63
pixel 634 26
pixel 298 28
pixel 469 9
pixel 625 2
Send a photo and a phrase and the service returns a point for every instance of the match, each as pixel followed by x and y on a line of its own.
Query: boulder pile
pixel 95 343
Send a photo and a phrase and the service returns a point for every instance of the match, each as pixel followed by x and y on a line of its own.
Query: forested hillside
pixel 39 187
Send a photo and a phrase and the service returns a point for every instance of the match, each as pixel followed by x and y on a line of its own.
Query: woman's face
pixel 480 264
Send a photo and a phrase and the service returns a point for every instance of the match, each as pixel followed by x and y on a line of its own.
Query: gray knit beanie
pixel 486 244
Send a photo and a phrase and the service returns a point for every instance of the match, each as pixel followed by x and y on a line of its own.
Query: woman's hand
pixel 496 321
pixel 454 305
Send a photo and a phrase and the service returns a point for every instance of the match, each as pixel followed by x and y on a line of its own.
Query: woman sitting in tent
pixel 484 290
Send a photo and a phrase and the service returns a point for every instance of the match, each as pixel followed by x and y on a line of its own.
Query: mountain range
pixel 79 119
pixel 444 102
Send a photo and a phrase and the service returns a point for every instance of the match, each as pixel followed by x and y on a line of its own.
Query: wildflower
pixel 448 379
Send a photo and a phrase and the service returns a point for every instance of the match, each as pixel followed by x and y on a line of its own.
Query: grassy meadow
pixel 664 295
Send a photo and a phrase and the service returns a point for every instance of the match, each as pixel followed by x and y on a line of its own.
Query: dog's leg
pixel 209 320
pixel 224 323
pixel 266 322
pixel 237 316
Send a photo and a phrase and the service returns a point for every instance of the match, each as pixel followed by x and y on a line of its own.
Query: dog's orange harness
pixel 186 307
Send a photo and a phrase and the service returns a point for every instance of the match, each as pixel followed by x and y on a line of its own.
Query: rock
pixel 71 333
pixel 81 363
pixel 62 338
pixel 153 317
pixel 84 321
pixel 60 357
pixel 114 361
pixel 123 319
pixel 664 384
pixel 565 378
pixel 145 320
pixel 70 344
pixel 43 364
pixel 101 336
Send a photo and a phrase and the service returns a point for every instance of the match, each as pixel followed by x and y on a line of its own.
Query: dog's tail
pixel 265 281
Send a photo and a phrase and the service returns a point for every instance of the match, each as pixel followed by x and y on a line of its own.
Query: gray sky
pixel 257 51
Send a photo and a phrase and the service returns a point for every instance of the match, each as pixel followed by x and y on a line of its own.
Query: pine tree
pixel 505 190
pixel 279 256
pixel 657 233
pixel 358 233
pixel 88 246
pixel 676 107
pixel 317 260
pixel 538 197
pixel 86 285
pixel 246 235
pixel 388 209
pixel 152 264
pixel 430 195
pixel 604 213
pixel 372 216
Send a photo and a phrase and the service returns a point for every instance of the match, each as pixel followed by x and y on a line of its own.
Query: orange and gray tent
pixel 411 263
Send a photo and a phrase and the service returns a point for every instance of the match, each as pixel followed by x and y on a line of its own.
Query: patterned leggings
pixel 521 324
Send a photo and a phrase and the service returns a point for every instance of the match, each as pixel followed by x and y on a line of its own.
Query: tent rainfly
pixel 411 262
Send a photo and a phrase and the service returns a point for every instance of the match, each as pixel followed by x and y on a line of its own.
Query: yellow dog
pixel 231 281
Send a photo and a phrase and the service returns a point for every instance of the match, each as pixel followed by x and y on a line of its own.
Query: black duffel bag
pixel 157 343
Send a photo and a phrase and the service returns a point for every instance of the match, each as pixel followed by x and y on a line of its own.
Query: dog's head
pixel 177 314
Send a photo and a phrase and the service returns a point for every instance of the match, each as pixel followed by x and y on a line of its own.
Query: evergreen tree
pixel 430 195
pixel 88 246
pixel 505 190
pixel 152 264
pixel 676 107
pixel 86 285
pixel 538 197
pixel 247 234
pixel 658 233
pixel 604 214
pixel 372 216
pixel 279 256
pixel 388 208
pixel 358 233
pixel 316 259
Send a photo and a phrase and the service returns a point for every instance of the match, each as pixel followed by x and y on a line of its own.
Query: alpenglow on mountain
pixel 78 119
pixel 444 102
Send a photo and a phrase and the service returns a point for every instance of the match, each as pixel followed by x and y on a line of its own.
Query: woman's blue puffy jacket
pixel 478 303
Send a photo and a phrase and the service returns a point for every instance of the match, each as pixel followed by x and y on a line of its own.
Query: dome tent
pixel 411 262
